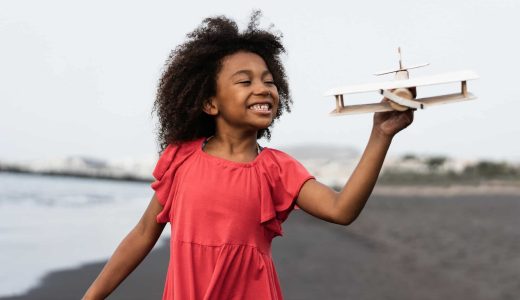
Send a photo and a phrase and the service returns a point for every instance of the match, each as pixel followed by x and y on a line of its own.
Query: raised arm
pixel 130 252
pixel 345 206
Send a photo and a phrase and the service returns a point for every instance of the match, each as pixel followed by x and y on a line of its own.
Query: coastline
pixel 482 189
pixel 434 248
pixel 124 178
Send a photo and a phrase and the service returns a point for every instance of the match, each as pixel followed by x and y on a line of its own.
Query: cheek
pixel 276 99
pixel 276 110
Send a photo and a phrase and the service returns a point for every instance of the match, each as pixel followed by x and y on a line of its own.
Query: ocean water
pixel 49 223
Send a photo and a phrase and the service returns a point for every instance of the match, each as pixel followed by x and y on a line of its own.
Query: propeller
pixel 401 68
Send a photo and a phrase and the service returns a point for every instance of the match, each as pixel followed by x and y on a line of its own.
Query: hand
pixel 389 123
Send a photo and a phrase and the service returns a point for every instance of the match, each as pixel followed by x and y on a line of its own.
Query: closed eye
pixel 245 82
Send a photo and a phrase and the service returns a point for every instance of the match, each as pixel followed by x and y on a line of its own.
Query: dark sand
pixel 464 247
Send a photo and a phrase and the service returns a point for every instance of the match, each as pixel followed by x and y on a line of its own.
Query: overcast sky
pixel 80 79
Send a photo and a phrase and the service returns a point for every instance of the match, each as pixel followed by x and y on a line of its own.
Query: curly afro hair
pixel 191 70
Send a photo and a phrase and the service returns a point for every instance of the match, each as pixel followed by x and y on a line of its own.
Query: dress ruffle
pixel 164 173
pixel 282 178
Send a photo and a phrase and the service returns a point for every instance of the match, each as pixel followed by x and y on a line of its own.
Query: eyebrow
pixel 249 72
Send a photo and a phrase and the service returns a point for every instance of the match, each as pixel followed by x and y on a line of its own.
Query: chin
pixel 264 125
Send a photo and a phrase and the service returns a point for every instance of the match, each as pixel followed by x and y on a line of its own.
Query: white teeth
pixel 260 107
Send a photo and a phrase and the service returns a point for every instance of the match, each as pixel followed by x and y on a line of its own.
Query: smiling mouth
pixel 261 107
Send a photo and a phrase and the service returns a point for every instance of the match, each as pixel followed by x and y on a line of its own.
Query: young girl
pixel 224 195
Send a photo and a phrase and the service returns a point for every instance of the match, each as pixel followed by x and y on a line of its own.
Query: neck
pixel 242 148
pixel 235 143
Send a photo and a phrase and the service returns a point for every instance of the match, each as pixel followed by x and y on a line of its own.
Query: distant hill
pixel 78 166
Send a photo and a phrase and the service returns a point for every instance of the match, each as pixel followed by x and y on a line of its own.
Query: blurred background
pixel 78 143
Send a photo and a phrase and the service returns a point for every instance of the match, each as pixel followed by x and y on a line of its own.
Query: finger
pixel 409 117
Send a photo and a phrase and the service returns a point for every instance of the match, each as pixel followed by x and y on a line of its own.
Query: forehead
pixel 243 61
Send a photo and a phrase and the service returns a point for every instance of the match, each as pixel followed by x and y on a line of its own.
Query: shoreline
pixel 482 189
pixel 126 178
pixel 397 249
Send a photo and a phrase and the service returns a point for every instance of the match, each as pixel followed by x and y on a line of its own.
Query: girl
pixel 224 195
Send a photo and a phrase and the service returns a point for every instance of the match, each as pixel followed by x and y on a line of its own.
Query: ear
pixel 210 107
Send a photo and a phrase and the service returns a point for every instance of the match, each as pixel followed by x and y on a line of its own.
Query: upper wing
pixel 419 81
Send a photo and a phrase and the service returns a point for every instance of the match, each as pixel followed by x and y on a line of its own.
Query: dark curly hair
pixel 191 70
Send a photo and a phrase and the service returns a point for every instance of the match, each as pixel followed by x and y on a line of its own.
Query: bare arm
pixel 130 252
pixel 344 207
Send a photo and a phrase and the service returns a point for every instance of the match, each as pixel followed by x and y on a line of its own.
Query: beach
pixel 403 246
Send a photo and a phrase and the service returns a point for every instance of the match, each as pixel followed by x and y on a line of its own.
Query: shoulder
pixel 183 146
pixel 279 159
pixel 181 149
pixel 174 155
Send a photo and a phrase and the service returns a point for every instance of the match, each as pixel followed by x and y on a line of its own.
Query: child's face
pixel 246 98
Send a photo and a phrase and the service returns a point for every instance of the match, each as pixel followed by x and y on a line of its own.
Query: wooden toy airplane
pixel 402 91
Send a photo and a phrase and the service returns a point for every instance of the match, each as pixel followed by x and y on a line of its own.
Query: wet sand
pixel 427 247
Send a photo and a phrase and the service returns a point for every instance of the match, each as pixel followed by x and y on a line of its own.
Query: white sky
pixel 80 78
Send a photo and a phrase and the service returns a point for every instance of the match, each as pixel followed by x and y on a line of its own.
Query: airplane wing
pixel 394 84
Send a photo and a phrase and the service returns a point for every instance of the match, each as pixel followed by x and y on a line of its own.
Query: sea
pixel 50 223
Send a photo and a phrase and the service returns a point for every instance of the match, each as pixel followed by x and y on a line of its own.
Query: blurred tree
pixel 491 170
pixel 409 156
pixel 435 162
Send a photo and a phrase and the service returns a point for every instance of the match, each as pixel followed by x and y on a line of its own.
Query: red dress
pixel 223 217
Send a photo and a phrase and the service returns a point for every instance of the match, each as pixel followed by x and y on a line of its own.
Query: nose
pixel 262 89
pixel 263 93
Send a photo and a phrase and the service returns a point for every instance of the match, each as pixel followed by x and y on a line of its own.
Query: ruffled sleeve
pixel 164 173
pixel 282 178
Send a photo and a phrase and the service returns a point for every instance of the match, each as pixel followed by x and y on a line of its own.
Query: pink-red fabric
pixel 223 217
